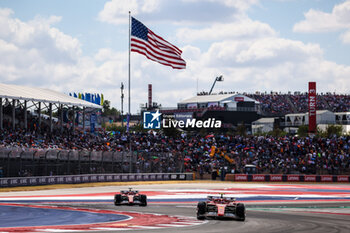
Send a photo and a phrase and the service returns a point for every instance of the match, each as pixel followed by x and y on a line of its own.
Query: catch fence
pixel 18 162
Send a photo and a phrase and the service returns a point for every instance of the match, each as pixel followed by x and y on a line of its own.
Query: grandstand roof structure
pixel 216 98
pixel 41 95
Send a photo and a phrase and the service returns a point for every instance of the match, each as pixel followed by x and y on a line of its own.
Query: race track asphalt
pixel 284 216
pixel 260 218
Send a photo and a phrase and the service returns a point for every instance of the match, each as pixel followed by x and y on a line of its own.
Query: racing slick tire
pixel 201 209
pixel 143 200
pixel 240 211
pixel 117 199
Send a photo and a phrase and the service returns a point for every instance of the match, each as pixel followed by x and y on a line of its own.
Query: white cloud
pixel 319 21
pixel 261 52
pixel 176 12
pixel 35 51
pixel 251 56
pixel 243 29
pixel 242 5
pixel 150 6
pixel 278 50
pixel 265 64
pixel 116 11
pixel 345 37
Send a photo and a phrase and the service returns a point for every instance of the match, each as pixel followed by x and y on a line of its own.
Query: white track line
pixel 146 227
pixel 58 230
pixel 111 229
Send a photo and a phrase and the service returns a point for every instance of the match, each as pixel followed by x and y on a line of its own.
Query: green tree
pixel 138 128
pixel 277 132
pixel 108 111
pixel 241 130
pixel 106 107
pixel 303 130
pixel 113 127
pixel 332 130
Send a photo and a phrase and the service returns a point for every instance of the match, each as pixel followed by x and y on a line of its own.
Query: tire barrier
pixel 287 178
pixel 91 178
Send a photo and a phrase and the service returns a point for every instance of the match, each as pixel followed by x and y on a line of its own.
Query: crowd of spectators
pixel 280 104
pixel 274 103
pixel 282 155
pixel 338 103
pixel 277 103
pixel 193 152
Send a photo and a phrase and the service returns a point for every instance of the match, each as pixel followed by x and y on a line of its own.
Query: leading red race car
pixel 220 207
pixel 130 197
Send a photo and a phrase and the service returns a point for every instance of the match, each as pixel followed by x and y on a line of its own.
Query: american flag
pixel 154 47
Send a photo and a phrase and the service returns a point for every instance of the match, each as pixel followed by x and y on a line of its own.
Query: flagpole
pixel 130 164
pixel 129 55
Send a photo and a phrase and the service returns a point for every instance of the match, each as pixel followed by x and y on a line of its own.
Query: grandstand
pixel 17 101
pixel 235 108
pixel 277 104
pixel 26 152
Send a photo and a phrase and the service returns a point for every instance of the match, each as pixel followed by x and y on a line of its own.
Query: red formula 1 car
pixel 220 207
pixel 130 197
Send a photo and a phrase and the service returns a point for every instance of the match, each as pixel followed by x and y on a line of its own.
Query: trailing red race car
pixel 130 197
pixel 220 207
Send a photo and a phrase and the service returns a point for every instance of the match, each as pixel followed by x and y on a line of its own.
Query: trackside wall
pixel 287 178
pixel 88 178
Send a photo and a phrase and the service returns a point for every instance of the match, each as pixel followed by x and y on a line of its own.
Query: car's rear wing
pixel 220 197
pixel 127 191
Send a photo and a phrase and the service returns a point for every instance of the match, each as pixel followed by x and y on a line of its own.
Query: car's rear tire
pixel 240 211
pixel 201 209
pixel 143 200
pixel 117 199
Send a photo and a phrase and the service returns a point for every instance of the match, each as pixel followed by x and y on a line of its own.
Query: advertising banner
pixel 150 105
pixel 239 99
pixel 275 177
pixel 132 178
pixel 152 177
pixel 241 177
pixel 76 179
pixel 85 179
pixel 93 178
pixel 60 180
pixel 43 180
pixel 109 178
pixel 326 178
pixel 139 177
pixel 343 178
pixel 145 177
pixel 23 181
pixel 116 178
pixel 310 178
pixel 166 176
pixel 312 107
pixel 257 177
pixel 293 177
pixel 33 181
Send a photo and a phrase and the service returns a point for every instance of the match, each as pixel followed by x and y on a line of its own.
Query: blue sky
pixel 257 45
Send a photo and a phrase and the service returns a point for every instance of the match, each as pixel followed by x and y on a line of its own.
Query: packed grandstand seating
pixel 283 155
pixel 277 103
